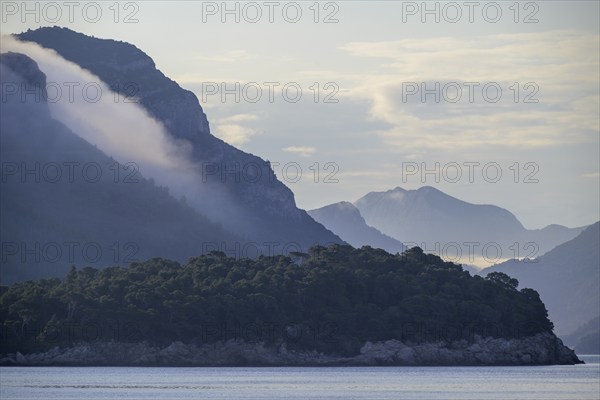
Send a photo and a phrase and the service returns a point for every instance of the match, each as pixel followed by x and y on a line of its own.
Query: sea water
pixel 573 382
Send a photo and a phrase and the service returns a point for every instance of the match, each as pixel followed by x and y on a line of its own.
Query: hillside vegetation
pixel 332 299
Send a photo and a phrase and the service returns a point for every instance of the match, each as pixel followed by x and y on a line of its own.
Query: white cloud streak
pixel 234 130
pixel 304 151
pixel 124 131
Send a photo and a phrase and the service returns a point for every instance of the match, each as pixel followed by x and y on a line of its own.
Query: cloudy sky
pixel 491 102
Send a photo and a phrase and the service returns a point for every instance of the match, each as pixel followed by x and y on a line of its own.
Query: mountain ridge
pixel 46 223
pixel 566 277
pixel 259 207
pixel 344 219
pixel 432 219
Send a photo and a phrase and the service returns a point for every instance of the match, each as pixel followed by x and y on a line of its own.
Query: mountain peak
pixel 429 189
pixel 24 66
pixel 345 204
pixel 431 216
pixel 20 69
pixel 262 208
pixel 423 190
pixel 109 51
pixel 130 72
pixel 344 209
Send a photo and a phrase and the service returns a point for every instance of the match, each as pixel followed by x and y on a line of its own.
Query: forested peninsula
pixel 334 305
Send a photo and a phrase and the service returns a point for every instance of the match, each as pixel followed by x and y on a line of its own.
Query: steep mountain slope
pixel 344 219
pixel 567 278
pixel 431 218
pixel 251 201
pixel 57 215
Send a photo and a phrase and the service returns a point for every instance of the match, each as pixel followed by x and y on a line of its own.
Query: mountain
pixel 50 221
pixel 434 220
pixel 586 338
pixel 255 205
pixel 566 277
pixel 344 219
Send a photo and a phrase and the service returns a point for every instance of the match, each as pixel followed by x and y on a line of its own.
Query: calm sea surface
pixel 460 383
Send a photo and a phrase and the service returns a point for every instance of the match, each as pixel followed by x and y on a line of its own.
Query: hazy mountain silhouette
pixel 586 338
pixel 566 277
pixel 48 223
pixel 344 219
pixel 432 219
pixel 255 205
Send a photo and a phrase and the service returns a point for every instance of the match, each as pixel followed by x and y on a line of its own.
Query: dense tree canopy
pixel 332 300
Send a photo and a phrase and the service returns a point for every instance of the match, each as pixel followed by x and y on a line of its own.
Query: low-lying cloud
pixel 116 125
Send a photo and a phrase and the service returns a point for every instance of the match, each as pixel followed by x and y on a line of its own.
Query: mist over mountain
pixel 344 219
pixel 239 190
pixel 432 219
pixel 567 279
pixel 194 193
pixel 64 202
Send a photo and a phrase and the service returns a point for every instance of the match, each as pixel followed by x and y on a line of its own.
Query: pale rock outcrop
pixel 541 349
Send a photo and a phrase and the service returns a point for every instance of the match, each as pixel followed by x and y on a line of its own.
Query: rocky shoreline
pixel 541 349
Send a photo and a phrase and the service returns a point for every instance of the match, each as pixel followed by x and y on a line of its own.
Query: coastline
pixel 541 349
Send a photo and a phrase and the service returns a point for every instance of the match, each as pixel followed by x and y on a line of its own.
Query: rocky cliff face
pixel 542 349
pixel 251 202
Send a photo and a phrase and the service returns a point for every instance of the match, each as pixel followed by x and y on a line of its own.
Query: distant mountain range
pixel 439 223
pixel 586 338
pixel 567 278
pixel 566 275
pixel 344 219
pixel 231 212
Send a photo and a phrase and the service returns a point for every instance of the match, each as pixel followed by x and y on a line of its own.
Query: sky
pixel 491 102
